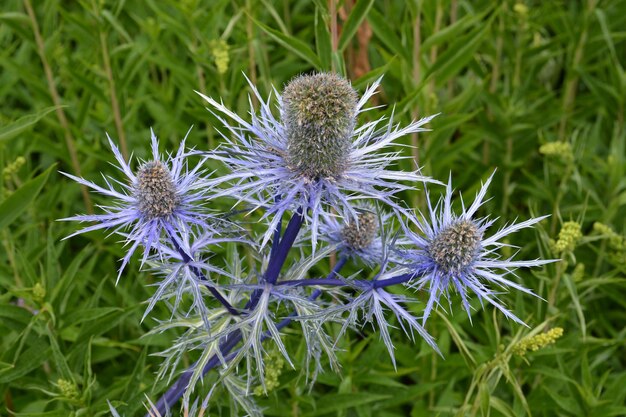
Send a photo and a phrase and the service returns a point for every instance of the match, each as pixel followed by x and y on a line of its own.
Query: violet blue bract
pixel 162 196
pixel 353 163
pixel 453 252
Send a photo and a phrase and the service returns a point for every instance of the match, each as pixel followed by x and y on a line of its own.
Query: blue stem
pixel 277 261
pixel 198 273
pixel 284 322
pixel 400 279
pixel 277 232
pixel 335 282
pixel 176 391
pixel 278 256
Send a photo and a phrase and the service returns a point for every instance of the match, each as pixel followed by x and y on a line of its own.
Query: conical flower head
pixel 319 113
pixel 360 234
pixel 155 190
pixel 313 157
pixel 163 195
pixel 456 252
pixel 456 246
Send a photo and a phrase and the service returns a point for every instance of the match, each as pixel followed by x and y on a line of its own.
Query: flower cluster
pixel 337 179
pixel 538 341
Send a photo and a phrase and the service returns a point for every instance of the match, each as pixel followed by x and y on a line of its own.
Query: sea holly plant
pixel 322 184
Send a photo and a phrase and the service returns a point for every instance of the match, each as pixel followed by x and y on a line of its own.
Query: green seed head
pixel 456 247
pixel 319 112
pixel 155 190
pixel 359 235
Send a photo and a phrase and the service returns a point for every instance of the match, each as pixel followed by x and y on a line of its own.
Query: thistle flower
pixel 364 238
pixel 161 196
pixel 315 157
pixel 455 252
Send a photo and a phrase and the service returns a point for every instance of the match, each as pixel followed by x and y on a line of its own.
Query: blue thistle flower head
pixel 364 238
pixel 319 112
pixel 314 156
pixel 455 252
pixel 163 195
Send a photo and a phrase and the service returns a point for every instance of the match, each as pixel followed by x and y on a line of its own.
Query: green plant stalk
pixel 69 139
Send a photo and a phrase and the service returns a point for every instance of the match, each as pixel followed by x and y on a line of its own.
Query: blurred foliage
pixel 534 89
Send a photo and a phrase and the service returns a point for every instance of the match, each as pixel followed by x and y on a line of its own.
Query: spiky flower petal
pixel 162 196
pixel 454 252
pixel 314 157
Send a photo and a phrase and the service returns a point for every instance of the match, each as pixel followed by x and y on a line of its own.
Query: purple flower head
pixel 161 196
pixel 314 156
pixel 365 238
pixel 454 252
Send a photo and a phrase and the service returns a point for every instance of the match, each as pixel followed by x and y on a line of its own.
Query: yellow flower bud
pixel 219 51
pixel 569 236
pixel 561 150
pixel 537 342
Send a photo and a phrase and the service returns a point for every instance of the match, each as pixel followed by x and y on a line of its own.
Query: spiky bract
pixel 370 305
pixel 163 196
pixel 453 252
pixel 263 172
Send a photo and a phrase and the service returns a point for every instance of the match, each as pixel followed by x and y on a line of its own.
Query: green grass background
pixel 507 79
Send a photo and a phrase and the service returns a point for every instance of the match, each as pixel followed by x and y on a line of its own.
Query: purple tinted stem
pixel 335 282
pixel 177 390
pixel 277 232
pixel 399 279
pixel 280 255
pixel 285 322
pixel 198 273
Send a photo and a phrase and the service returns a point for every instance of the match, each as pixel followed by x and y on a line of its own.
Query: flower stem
pixel 278 255
pixel 176 391
pixel 336 282
pixel 277 232
pixel 198 273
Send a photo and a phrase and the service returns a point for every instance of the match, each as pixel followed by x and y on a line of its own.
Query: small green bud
pixel 68 389
pixel 537 342
pixel 616 244
pixel 569 236
pixel 561 150
pixel 521 9
pixel 39 293
pixel 274 363
pixel 13 167
pixel 319 112
pixel 579 272
pixel 219 50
